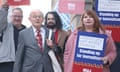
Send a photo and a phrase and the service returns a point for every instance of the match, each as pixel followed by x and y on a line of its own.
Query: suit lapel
pixel 46 37
pixel 32 37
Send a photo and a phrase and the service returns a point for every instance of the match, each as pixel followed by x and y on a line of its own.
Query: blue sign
pixel 108 11
pixel 90 48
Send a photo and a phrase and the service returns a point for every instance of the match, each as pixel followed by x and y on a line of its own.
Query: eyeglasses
pixel 37 16
pixel 17 16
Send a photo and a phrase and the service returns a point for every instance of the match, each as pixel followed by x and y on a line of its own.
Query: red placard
pixel 71 6
pixel 18 2
pixel 86 68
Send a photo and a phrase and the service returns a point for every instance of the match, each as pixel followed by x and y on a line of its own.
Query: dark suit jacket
pixel 29 58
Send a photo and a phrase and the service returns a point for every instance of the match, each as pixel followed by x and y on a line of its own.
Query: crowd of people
pixel 26 49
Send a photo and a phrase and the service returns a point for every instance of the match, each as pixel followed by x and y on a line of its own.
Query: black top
pixel 16 34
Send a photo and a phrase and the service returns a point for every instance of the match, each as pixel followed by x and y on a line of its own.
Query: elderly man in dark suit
pixel 29 56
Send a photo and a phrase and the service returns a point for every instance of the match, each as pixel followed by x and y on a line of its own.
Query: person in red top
pixel 59 36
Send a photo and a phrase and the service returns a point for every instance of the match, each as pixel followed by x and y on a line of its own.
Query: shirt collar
pixel 41 29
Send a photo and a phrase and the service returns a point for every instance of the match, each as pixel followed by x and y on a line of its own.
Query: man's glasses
pixel 37 16
pixel 17 16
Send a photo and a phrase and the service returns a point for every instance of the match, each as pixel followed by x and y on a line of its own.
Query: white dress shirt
pixel 42 32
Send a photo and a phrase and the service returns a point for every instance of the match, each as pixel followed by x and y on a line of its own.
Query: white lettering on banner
pixel 71 6
pixel 79 55
pixel 110 19
pixel 88 57
pixel 87 51
pixel 109 14
pixel 91 57
pixel 86 70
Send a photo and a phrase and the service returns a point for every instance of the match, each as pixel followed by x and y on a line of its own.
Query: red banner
pixel 115 31
pixel 71 6
pixel 86 68
pixel 18 2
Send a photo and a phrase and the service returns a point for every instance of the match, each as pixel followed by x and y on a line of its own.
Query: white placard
pixel 109 5
pixel 93 43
